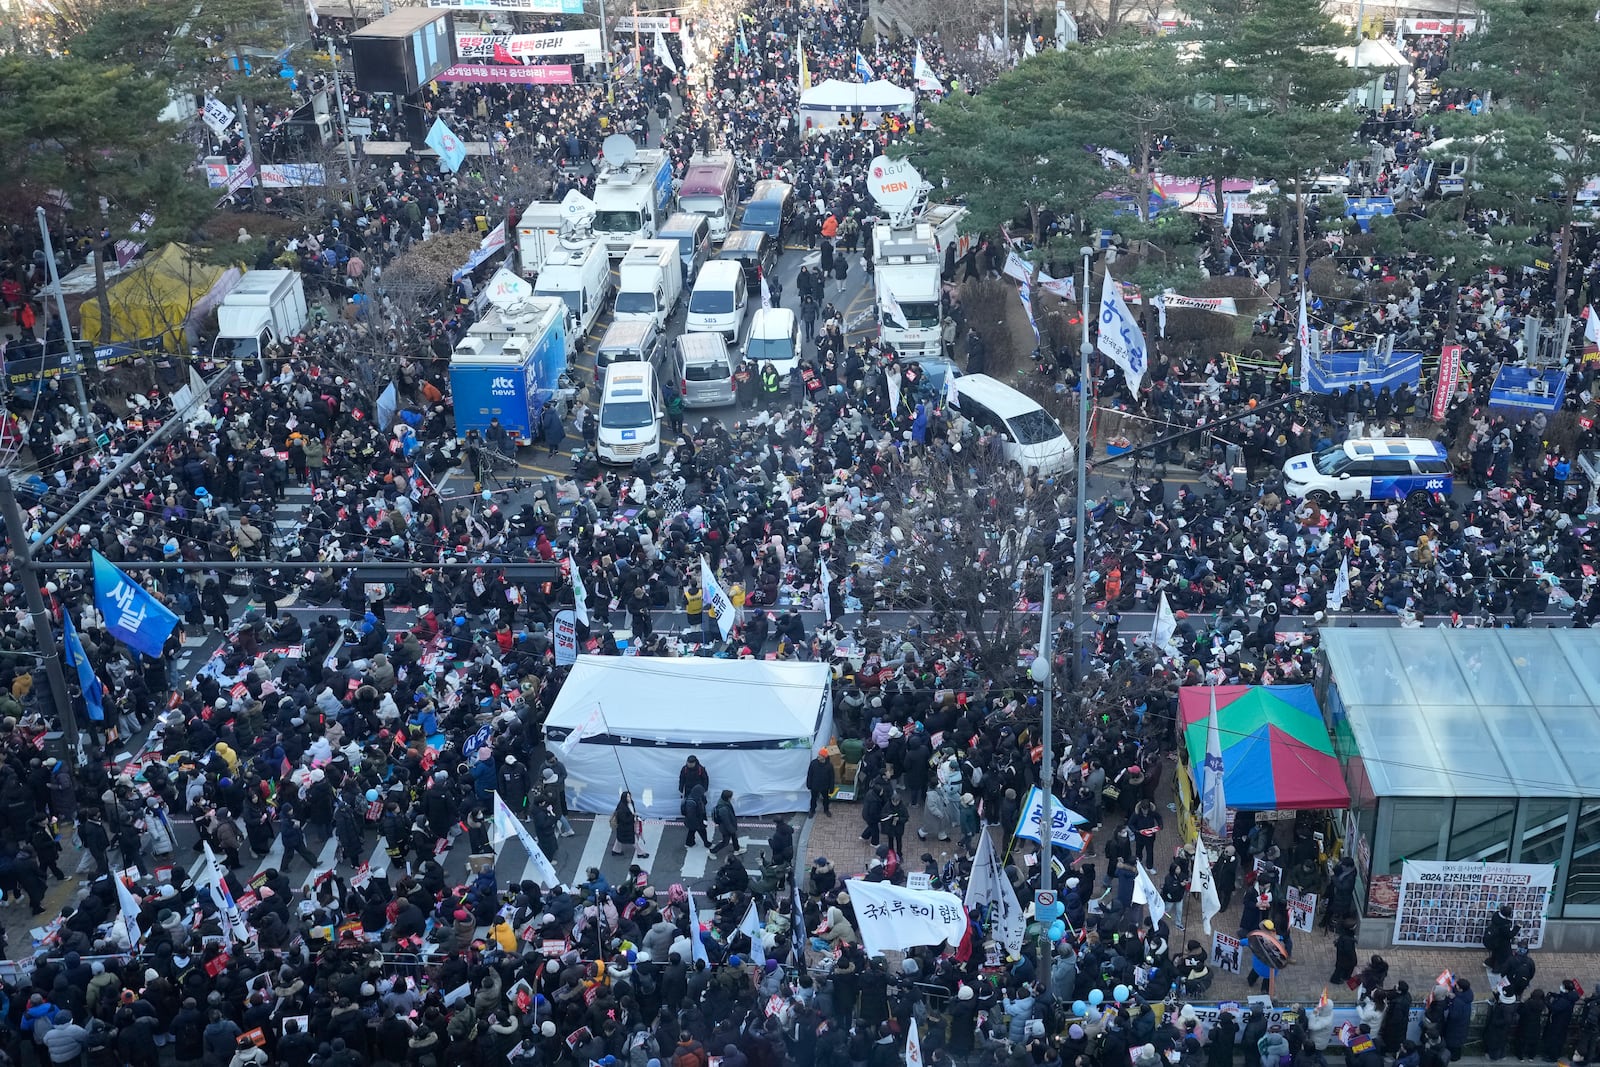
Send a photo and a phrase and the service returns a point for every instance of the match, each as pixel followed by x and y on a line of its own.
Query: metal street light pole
pixel 1083 481
pixel 44 637
pixel 1044 673
pixel 72 356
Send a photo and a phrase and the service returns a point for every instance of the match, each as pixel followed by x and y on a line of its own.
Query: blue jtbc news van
pixel 508 373
pixel 1371 468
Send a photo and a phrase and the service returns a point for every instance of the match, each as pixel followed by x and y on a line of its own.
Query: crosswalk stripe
pixel 326 860
pixel 594 847
pixel 695 858
pixel 654 830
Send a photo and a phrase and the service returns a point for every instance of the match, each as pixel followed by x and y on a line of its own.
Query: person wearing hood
pixel 1499 1026
pixel 835 928
pixel 1457 1019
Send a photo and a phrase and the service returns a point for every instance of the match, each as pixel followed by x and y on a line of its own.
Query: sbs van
pixel 719 300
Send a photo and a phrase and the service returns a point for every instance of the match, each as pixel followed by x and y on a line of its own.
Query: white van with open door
pixel 1030 436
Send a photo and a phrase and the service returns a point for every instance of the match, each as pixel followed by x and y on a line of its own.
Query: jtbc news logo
pixel 503 386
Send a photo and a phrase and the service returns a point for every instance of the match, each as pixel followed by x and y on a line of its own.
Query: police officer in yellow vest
pixel 770 383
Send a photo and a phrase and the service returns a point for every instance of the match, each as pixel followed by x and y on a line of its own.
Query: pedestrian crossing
pixel 670 860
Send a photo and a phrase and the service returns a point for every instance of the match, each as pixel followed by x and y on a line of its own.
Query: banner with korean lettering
pixel 1062 821
pixel 532 74
pixel 1449 374
pixel 889 917
pixel 566 634
pixel 1450 903
pixel 520 45
pixel 133 615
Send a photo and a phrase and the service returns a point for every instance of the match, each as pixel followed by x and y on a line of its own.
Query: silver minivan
pixel 704 370
pixel 628 341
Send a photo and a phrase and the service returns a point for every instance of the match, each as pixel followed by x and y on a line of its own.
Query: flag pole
pixel 614 753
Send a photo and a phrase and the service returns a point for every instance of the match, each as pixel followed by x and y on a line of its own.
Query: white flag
pixel 1025 294
pixel 750 926
pixel 580 595
pixel 890 308
pixel 697 947
pixel 1341 587
pixel 592 726
pixel 1062 821
pixel 927 80
pixel 1201 881
pixel 889 917
pixel 229 917
pixel 1165 629
pixel 827 602
pixel 129 908
pixel 1017 267
pixel 1027 46
pixel 1119 334
pixel 1213 803
pixel 913 1046
pixel 1146 893
pixel 1161 315
pixel 311 13
pixel 505 824
pixel 891 377
pixel 716 599
pixel 1591 331
pixel 1304 336
pixel 990 886
pixel 766 293
pixel 664 53
pixel 217 115
pixel 1062 287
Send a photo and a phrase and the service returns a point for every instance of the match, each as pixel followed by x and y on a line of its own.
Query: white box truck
pixel 906 274
pixel 538 234
pixel 633 199
pixel 577 272
pixel 649 282
pixel 266 306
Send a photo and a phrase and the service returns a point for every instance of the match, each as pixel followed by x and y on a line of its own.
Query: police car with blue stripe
pixel 1371 468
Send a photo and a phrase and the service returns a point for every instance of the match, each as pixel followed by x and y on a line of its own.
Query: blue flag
pixel 442 139
pixel 863 68
pixel 93 692
pixel 132 613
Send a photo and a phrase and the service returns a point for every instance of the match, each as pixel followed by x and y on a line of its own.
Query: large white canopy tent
pixel 823 105
pixel 755 724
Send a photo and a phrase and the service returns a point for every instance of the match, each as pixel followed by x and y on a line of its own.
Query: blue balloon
pixel 1058 930
pixel 1079 1008
pixel 1096 998
pixel 1120 994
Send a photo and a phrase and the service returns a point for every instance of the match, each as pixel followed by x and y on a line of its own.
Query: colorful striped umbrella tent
pixel 1276 753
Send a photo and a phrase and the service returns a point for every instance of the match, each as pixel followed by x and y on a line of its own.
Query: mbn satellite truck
pixel 507 368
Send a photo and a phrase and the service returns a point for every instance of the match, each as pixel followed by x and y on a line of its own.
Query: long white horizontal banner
pixel 519 45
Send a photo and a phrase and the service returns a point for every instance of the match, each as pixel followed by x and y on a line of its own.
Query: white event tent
pixel 754 724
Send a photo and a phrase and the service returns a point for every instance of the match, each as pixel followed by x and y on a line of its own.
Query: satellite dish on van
pixel 576 207
pixel 893 183
pixel 618 150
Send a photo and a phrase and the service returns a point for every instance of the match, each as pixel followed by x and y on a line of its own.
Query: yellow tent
pixel 154 299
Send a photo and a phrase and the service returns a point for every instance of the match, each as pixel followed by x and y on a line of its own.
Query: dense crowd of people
pixel 413 702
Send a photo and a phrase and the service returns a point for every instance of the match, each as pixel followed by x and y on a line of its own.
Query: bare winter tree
pixel 963 533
